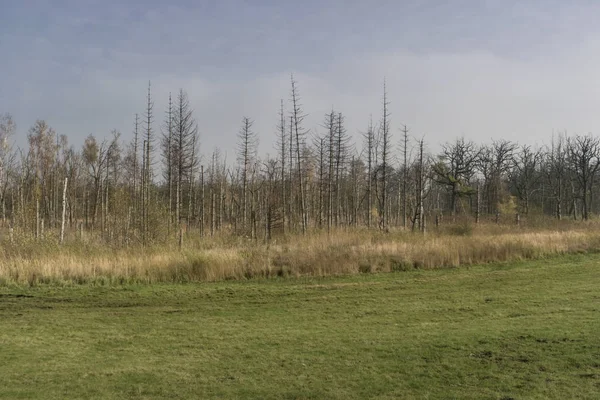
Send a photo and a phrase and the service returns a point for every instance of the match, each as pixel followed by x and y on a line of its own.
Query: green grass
pixel 520 330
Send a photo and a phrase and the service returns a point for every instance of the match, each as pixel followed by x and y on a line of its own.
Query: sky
pixel 485 69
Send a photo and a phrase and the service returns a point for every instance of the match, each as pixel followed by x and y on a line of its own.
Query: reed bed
pixel 351 251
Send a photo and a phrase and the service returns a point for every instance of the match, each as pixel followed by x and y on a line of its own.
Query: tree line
pixel 157 186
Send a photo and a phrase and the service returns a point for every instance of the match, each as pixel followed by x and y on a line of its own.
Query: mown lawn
pixel 506 331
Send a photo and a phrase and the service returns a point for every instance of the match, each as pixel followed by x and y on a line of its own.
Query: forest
pixel 154 188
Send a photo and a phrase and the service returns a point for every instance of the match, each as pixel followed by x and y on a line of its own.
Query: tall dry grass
pixel 31 262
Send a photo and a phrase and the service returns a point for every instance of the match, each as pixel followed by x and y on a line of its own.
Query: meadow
pixel 509 330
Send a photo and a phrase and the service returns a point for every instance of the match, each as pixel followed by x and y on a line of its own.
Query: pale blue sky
pixel 485 69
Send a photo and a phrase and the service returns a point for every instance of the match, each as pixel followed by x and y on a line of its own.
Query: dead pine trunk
pixel 177 203
pixel 213 217
pixel 404 178
pixel 202 200
pixel 478 210
pixel 64 212
pixel 298 136
pixel 37 219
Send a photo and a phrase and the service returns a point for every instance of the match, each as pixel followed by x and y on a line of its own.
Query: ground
pixel 499 331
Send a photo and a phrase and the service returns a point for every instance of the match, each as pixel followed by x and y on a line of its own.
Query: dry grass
pixel 344 252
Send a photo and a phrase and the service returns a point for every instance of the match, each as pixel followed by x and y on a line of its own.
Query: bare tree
pixel 494 163
pixel 370 154
pixel 330 125
pixel 341 153
pixel 167 154
pixel 524 175
pixel 135 162
pixel 456 167
pixel 583 159
pixel 185 132
pixel 94 156
pixel 247 149
pixel 147 165
pixel 7 130
pixel 281 150
pixel 385 155
pixel 556 173
pixel 404 174
pixel 113 162
pixel 419 215
pixel 299 138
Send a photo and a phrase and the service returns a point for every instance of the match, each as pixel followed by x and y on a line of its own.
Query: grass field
pixel 500 331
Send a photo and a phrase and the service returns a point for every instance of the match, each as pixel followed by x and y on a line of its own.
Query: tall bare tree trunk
pixel 298 117
pixel 421 188
pixel 148 160
pixel 478 210
pixel 143 192
pixel 404 177
pixel 370 151
pixel 202 200
pixel 64 212
pixel 385 127
pixel 170 162
pixel 177 203
pixel 37 219
pixel 246 156
pixel 321 180
pixel 282 155
pixel 330 182
pixel 135 196
pixel 338 169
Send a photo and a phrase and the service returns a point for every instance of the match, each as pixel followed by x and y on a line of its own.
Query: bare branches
pixel 525 174
pixel 322 180
pixel 247 148
pixel 297 118
pixel 583 154
pixel 456 167
pixel 385 149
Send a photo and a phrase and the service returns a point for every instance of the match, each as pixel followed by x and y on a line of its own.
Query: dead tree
pixel 247 148
pixel 136 200
pixel 329 124
pixel 281 150
pixel 147 174
pixel 385 155
pixel 404 175
pixel 64 212
pixel 299 138
pixel 167 153
pixel 185 132
pixel 418 219
pixel 370 150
